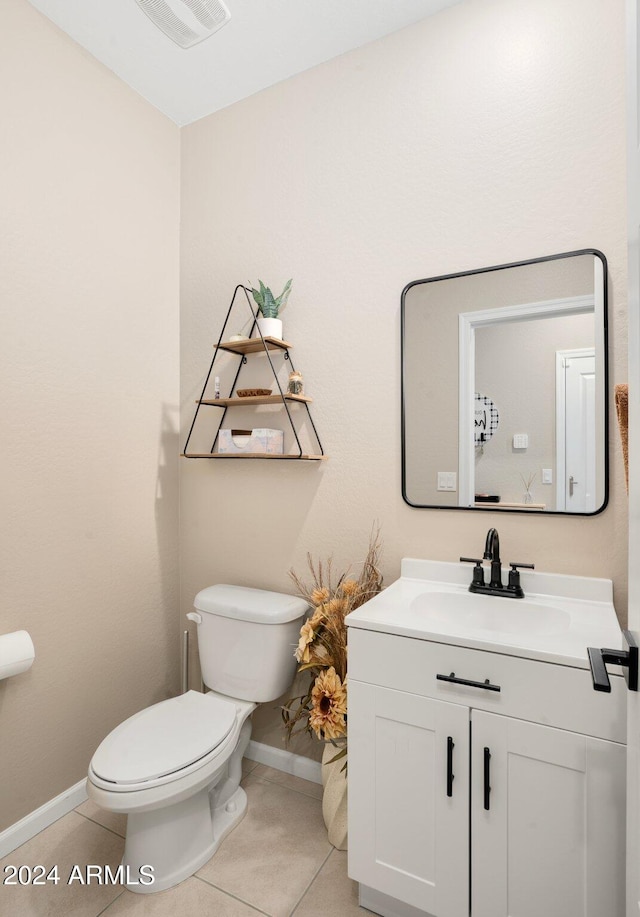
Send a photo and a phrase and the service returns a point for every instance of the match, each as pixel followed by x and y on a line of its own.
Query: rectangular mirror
pixel 504 387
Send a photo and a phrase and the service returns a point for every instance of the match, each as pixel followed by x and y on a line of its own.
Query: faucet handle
pixel 478 572
pixel 514 579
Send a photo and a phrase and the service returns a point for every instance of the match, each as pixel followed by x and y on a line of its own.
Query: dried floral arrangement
pixel 322 649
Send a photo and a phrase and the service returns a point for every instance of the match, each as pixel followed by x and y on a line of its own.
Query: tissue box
pixel 262 440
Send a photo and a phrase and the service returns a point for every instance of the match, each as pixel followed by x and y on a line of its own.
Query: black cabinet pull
pixel 486 684
pixel 450 776
pixel 487 778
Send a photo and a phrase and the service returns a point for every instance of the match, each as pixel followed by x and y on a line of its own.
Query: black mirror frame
pixel 498 267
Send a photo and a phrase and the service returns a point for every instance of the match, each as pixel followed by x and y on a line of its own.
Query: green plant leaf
pixel 258 296
pixel 269 307
pixel 281 301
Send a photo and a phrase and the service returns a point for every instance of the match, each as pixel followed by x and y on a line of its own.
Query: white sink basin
pixel 461 612
pixel 558 618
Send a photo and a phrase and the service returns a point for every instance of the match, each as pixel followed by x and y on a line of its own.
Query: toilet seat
pixel 163 740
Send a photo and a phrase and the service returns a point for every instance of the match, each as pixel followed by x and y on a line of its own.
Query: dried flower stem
pixel 322 650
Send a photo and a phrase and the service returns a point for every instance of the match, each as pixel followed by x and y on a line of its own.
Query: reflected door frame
pixel 468 322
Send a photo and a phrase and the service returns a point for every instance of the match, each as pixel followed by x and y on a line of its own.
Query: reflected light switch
pixel 447 480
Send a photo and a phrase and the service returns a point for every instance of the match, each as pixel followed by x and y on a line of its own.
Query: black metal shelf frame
pixel 218 349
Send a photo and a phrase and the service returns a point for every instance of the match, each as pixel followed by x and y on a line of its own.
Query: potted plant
pixel 269 307
pixel 322 661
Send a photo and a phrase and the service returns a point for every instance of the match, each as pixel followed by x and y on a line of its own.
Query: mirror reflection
pixel 504 382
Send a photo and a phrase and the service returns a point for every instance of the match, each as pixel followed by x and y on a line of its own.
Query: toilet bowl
pixel 175 767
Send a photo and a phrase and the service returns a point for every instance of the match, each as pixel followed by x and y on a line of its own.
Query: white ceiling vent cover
pixel 186 21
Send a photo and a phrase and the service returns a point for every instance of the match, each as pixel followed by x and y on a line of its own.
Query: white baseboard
pixel 23 830
pixel 285 761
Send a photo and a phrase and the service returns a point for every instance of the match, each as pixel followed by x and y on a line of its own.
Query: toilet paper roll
pixel 16 653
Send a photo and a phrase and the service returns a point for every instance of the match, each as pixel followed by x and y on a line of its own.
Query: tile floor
pixel 277 862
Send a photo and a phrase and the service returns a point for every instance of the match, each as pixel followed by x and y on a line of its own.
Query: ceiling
pixel 265 42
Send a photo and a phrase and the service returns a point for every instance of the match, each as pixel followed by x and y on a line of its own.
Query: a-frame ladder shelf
pixel 242 349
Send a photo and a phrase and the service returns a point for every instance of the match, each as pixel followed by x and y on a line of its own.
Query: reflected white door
pixel 576 432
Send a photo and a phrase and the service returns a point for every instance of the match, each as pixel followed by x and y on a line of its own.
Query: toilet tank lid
pixel 245 604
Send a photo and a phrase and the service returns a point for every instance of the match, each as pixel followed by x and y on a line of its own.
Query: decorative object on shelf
pixel 256 442
pixel 277 355
pixel 295 385
pixel 487 498
pixel 269 307
pixel 528 481
pixel 322 654
pixel 238 337
pixel 486 419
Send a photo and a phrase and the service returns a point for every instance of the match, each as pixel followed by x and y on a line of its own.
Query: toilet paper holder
pixel 16 653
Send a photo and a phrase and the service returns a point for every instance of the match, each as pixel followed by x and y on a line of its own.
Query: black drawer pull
pixel 450 777
pixel 486 684
pixel 487 778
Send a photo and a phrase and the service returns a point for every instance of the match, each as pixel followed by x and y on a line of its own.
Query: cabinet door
pixel 549 837
pixel 408 820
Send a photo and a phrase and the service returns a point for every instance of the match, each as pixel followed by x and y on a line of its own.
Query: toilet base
pixel 177 844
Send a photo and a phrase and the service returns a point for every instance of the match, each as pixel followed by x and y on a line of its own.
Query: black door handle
pixel 487 778
pixel 486 684
pixel 450 775
pixel 598 659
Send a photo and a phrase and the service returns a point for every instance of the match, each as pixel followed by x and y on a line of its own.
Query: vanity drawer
pixel 540 692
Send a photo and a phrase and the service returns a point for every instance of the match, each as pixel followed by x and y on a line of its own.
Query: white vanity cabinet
pixel 463 799
pixel 550 839
pixel 408 823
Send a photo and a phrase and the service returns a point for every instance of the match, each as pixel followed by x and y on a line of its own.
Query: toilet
pixel 175 767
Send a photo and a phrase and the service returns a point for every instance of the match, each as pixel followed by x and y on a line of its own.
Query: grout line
pixel 117 898
pixel 254 764
pixel 100 825
pixel 318 871
pixel 282 783
pixel 231 895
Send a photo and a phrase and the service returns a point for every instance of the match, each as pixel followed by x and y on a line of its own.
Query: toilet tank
pixel 247 639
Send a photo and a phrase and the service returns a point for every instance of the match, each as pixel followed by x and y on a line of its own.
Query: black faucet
pixel 492 553
pixel 513 590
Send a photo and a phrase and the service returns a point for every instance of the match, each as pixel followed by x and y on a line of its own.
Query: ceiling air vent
pixel 186 21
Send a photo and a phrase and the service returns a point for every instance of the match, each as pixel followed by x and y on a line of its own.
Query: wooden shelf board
pixel 510 505
pixel 254 345
pixel 254 455
pixel 255 399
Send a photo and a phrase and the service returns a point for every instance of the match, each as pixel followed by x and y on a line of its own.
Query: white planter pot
pixel 270 327
pixel 334 797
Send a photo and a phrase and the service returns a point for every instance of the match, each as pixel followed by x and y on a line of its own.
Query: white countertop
pixel 585 615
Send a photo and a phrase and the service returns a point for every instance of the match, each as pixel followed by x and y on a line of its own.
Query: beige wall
pixel 491 133
pixel 89 360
